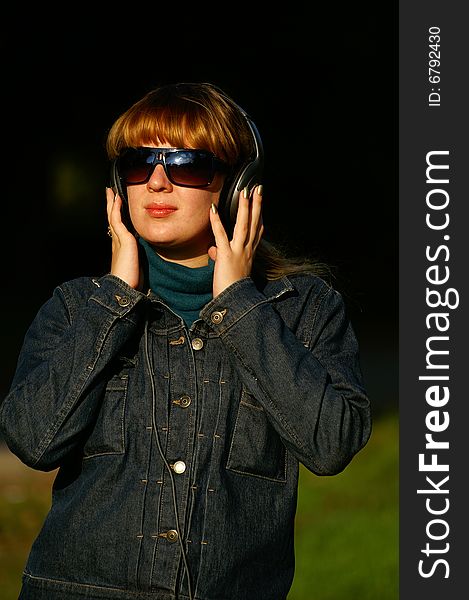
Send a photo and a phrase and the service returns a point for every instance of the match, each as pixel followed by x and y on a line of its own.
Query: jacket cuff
pixel 232 304
pixel 115 295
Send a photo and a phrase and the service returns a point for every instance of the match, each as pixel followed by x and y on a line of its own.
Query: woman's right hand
pixel 125 261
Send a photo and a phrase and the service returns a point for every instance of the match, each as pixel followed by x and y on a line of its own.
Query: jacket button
pixel 179 467
pixel 197 344
pixel 172 535
pixel 184 401
pixel 217 317
pixel 122 300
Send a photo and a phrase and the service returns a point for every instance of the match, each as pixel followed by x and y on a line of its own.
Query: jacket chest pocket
pixel 107 434
pixel 256 448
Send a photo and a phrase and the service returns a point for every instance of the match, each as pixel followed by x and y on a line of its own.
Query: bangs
pixel 158 126
pixel 181 123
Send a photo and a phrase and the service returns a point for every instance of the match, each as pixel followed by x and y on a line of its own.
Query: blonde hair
pixel 201 115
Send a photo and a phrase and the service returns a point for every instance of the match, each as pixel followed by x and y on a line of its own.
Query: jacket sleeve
pixel 57 387
pixel 312 393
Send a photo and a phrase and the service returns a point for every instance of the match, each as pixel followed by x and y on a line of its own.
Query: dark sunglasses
pixel 183 166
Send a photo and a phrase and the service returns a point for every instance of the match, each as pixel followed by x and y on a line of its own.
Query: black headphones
pixel 246 175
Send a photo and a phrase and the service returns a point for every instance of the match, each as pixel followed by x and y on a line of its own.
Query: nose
pixel 159 181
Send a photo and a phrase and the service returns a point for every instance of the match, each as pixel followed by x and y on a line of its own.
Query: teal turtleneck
pixel 184 289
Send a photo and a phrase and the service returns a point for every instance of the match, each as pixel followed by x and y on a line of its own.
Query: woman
pixel 178 393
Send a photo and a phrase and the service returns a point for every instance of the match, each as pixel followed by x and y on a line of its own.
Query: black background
pixel 320 83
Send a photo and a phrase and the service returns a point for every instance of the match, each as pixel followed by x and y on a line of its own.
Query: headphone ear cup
pixel 119 188
pixel 229 198
pixel 248 175
pixel 116 182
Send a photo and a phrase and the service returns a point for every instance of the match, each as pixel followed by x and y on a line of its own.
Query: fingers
pixel 234 258
pixel 114 206
pixel 125 259
pixel 257 227
pixel 221 239
pixel 242 225
pixel 111 197
pixel 109 202
pixel 249 228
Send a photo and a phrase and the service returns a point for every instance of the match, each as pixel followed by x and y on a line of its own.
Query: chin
pixel 157 235
pixel 159 241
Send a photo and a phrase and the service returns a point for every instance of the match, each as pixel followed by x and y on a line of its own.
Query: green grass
pixel 346 526
pixel 24 501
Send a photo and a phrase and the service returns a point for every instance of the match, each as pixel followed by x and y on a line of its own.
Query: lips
pixel 159 211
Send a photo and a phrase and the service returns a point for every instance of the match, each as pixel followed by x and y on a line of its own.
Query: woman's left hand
pixel 233 258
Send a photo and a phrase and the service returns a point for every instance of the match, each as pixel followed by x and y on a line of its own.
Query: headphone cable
pixel 168 466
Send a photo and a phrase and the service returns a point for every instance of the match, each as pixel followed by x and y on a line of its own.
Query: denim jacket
pixel 178 448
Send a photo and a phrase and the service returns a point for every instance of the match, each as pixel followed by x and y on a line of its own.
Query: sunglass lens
pixel 190 168
pixel 136 165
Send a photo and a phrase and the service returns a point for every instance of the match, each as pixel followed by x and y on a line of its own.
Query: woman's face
pixel 174 219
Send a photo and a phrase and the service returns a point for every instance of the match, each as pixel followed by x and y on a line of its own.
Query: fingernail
pixel 214 208
pixel 259 189
pixel 246 192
